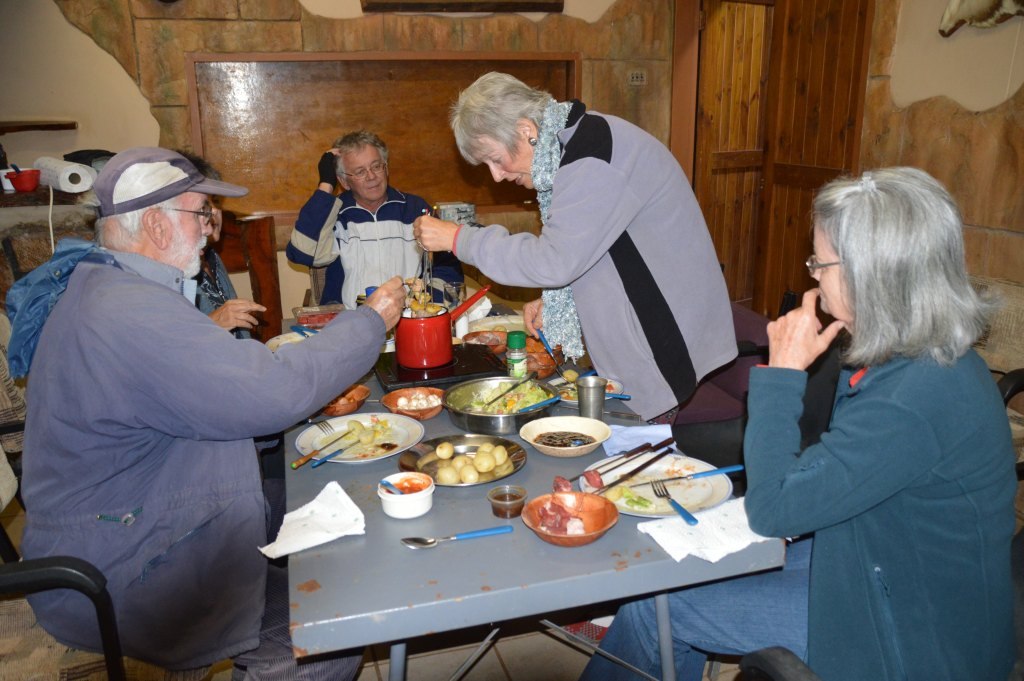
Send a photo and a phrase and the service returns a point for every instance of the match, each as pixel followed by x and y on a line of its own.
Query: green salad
pixel 520 398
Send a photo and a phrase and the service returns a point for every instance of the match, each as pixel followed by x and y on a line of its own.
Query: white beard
pixel 185 255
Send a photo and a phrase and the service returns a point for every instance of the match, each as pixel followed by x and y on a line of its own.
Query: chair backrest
pixel 1002 345
pixel 248 244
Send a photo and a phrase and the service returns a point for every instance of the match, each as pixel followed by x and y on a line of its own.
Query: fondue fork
pixel 660 455
pixel 626 457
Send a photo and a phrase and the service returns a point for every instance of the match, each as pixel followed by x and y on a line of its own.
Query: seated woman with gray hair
pixel 624 255
pixel 908 495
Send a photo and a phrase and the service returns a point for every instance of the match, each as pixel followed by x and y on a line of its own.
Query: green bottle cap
pixel 516 340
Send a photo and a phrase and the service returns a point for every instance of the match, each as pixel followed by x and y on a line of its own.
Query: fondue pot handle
pixel 457 312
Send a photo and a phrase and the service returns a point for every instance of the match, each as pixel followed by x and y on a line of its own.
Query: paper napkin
pixel 720 531
pixel 330 515
pixel 625 438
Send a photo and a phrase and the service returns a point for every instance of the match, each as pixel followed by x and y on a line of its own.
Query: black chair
pixel 775 664
pixel 66 572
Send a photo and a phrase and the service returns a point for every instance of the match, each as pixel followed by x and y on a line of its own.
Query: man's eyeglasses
pixel 813 265
pixel 376 168
pixel 206 214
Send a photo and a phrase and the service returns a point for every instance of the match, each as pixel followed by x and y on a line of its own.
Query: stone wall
pixel 149 39
pixel 978 156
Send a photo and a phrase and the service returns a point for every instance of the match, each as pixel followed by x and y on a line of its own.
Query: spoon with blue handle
pixel 430 542
pixel 391 488
pixel 303 331
pixel 617 396
pixel 539 405
pixel 547 346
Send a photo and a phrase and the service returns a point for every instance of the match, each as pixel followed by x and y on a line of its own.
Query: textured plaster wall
pixel 124 61
pixel 978 155
pixel 149 39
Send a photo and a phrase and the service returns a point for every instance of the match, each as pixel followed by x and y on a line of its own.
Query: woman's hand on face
pixel 388 301
pixel 796 340
pixel 433 234
pixel 533 317
pixel 236 314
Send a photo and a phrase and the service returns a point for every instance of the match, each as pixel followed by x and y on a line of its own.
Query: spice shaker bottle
pixel 515 355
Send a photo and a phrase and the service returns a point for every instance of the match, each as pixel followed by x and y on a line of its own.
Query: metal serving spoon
pixel 430 542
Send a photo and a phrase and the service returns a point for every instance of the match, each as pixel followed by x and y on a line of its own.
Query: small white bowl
pixel 407 505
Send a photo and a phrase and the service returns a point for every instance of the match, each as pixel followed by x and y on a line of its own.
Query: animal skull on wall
pixel 978 13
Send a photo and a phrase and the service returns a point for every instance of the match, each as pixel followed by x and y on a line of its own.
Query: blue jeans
pixel 731 617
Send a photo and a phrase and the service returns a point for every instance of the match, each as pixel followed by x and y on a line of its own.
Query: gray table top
pixel 368 589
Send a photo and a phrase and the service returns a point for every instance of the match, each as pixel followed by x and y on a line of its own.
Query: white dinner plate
pixel 404 432
pixel 558 385
pixel 694 495
pixel 511 322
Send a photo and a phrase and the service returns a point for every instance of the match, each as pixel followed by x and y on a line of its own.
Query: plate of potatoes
pixel 463 460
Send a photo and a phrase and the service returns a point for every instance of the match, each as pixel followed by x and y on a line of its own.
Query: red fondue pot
pixel 426 342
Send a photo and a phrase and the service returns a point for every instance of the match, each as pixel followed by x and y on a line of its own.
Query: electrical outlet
pixel 638 78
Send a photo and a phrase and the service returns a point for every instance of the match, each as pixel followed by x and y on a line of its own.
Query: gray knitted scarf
pixel 561 322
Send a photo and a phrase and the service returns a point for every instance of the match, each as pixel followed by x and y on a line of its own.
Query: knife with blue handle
pixel 694 476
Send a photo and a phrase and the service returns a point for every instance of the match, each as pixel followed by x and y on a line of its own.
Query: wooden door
pixel 733 74
pixel 815 106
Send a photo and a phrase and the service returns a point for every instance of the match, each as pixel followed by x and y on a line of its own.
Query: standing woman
pixel 624 255
pixel 909 494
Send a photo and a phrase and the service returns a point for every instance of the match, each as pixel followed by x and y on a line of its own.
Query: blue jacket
pixel 362 248
pixel 31 298
pixel 910 498
pixel 139 456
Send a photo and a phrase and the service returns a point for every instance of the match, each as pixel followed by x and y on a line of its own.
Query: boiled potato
pixel 444 464
pixel 460 462
pixel 485 447
pixel 355 426
pixel 366 437
pixel 445 450
pixel 500 455
pixel 483 462
pixel 469 475
pixel 570 375
pixel 448 476
pixel 504 469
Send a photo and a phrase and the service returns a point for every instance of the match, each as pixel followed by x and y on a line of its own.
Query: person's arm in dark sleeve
pixel 309 244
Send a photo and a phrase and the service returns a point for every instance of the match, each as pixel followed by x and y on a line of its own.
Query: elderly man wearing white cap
pixel 139 451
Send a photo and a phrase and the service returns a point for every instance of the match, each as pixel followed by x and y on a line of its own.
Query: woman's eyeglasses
pixel 376 168
pixel 813 265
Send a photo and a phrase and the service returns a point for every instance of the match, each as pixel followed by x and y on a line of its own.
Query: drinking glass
pixel 454 295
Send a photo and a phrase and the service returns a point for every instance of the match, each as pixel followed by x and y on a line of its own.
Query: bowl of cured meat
pixel 347 402
pixel 565 436
pixel 497 341
pixel 570 518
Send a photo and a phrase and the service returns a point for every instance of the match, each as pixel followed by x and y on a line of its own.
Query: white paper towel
pixel 65 176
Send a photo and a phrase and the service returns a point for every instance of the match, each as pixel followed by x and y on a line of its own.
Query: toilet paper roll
pixel 65 176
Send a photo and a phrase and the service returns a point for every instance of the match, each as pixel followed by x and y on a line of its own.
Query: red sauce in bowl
pixel 412 485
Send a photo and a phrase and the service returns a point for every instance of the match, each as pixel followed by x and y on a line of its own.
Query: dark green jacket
pixel 910 497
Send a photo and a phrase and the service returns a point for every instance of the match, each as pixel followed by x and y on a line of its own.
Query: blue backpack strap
pixel 31 298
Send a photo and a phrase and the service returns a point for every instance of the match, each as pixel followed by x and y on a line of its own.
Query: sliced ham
pixel 562 484
pixel 593 479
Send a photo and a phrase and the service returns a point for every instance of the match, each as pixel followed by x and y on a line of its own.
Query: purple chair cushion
pixel 710 403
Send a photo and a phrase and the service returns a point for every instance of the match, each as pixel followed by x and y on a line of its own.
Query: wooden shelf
pixel 22 126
